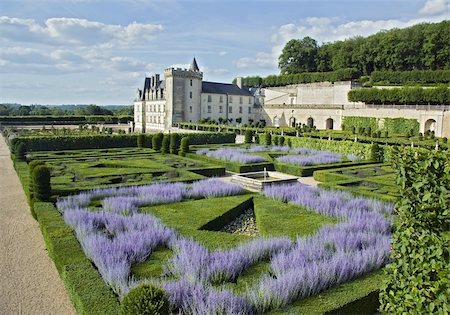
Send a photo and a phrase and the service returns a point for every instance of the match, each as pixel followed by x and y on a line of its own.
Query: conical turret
pixel 194 66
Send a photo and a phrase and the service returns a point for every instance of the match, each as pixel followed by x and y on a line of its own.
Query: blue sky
pixel 99 51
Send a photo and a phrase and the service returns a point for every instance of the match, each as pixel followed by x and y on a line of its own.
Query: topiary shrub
pixel 157 141
pixel 165 144
pixel 140 140
pixel 184 146
pixel 281 140
pixel 268 139
pixel 275 140
pixel 174 143
pixel 32 165
pixel 289 142
pixel 257 138
pixel 376 152
pixel 145 299
pixel 418 277
pixel 248 136
pixel 42 189
pixel 21 151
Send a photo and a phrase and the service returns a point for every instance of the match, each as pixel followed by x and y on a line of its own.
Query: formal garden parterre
pixel 165 231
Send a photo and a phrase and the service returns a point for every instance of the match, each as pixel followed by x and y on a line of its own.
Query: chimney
pixel 239 82
pixel 156 80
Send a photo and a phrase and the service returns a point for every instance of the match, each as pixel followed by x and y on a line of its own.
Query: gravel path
pixel 29 282
pixel 245 224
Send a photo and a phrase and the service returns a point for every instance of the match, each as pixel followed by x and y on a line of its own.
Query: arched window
pixel 310 122
pixel 430 125
pixel 329 123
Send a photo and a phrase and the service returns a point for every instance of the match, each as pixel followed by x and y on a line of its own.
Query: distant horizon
pixel 99 52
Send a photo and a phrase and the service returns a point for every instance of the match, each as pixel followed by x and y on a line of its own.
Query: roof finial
pixel 194 66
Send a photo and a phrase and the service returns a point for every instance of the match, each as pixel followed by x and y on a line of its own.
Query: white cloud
pixel 63 31
pixel 433 7
pixel 222 53
pixel 324 29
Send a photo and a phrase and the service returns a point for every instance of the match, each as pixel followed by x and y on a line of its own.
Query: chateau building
pixel 183 96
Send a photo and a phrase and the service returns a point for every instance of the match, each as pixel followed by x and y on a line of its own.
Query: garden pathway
pixel 29 282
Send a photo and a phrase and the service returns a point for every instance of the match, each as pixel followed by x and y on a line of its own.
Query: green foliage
pixel 353 123
pixel 88 292
pixel 376 152
pixel 140 140
pixel 422 46
pixel 268 139
pixel 401 126
pixel 41 183
pixel 184 146
pixel 281 140
pixel 402 95
pixel 298 78
pixel 31 166
pixel 174 143
pixel 145 299
pixel 157 141
pixel 248 136
pixel 410 77
pixel 21 151
pixel 165 144
pixel 419 277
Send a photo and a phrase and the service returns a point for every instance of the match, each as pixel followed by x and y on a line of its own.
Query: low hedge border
pixel 87 290
pixel 341 185
pixel 304 171
pixel 327 175
pixel 234 167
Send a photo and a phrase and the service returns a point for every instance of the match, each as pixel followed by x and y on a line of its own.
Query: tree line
pixel 64 110
pixel 419 47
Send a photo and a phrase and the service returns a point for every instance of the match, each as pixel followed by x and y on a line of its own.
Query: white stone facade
pixel 184 97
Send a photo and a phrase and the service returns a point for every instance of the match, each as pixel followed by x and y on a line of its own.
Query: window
pixel 220 108
pixel 240 99
pixel 209 108
pixel 231 99
pixel 221 99
pixel 249 110
pixel 240 109
pixel 159 108
pixel 230 109
pixel 191 82
pixel 250 100
pixel 209 99
pixel 190 94
pixel 190 109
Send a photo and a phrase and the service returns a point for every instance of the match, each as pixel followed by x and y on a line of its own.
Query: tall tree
pixel 299 56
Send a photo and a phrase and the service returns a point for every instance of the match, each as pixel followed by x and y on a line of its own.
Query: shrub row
pixel 56 143
pixel 403 95
pixel 88 292
pixel 303 171
pixel 371 125
pixel 20 120
pixel 305 77
pixel 414 76
pixel 233 166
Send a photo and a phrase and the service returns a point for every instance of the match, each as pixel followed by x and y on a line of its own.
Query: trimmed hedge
pixel 87 290
pixel 234 167
pixel 56 143
pixel 345 74
pixel 407 77
pixel 403 95
pixel 304 171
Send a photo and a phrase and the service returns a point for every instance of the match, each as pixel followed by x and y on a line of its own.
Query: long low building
pixel 183 96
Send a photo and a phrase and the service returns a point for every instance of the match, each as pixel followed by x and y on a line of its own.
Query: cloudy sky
pixel 99 51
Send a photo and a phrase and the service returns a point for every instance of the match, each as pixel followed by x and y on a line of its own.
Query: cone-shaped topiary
pixel 174 143
pixel 268 139
pixel 248 136
pixel 21 151
pixel 145 299
pixel 157 141
pixel 165 144
pixel 32 165
pixel 140 140
pixel 41 183
pixel 184 146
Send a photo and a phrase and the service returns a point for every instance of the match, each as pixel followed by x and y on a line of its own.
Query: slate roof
pixel 223 88
pixel 194 66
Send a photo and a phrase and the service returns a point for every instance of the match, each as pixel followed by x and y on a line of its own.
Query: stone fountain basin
pixel 257 181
